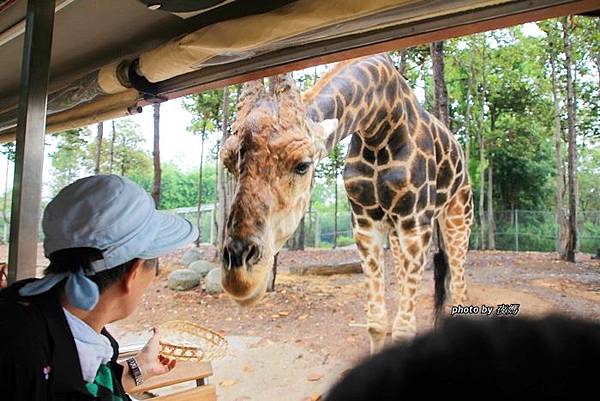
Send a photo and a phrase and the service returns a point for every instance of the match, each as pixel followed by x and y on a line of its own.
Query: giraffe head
pixel 272 154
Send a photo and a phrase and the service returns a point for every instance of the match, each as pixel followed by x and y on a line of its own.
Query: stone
pixel 191 255
pixel 202 267
pixel 213 282
pixel 183 280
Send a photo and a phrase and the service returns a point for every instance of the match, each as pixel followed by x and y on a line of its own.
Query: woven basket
pixel 191 342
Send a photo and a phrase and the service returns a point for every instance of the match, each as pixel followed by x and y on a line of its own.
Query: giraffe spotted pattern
pixel 404 170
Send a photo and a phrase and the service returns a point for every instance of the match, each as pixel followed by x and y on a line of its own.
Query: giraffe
pixel 404 170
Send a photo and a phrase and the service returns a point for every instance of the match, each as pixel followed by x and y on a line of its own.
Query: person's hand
pixel 150 361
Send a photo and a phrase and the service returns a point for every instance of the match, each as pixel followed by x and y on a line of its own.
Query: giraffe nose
pixel 240 252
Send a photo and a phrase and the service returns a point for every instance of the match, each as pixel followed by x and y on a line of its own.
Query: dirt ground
pixel 300 339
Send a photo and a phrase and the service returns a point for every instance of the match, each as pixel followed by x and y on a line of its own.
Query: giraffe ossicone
pixel 403 171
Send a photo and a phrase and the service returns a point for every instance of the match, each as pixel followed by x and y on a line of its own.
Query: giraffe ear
pixel 329 126
pixel 322 133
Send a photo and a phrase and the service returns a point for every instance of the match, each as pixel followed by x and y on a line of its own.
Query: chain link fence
pixel 515 230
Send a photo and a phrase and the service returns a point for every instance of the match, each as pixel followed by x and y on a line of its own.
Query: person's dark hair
pixel 72 259
pixel 492 359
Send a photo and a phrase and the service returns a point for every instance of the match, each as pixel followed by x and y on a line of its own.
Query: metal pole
pixel 31 125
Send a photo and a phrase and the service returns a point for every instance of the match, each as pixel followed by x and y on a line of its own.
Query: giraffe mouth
pixel 247 286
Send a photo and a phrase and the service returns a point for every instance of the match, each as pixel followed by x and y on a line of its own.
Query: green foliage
pixel 180 188
pixel 69 159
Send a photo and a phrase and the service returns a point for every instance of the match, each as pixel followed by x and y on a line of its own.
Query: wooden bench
pixel 184 371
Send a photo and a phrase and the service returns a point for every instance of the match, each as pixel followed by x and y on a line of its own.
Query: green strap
pixel 103 384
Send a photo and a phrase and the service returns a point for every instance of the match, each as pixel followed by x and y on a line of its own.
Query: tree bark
pixel 468 123
pixel 335 207
pixel 561 219
pixel 223 201
pixel 156 156
pixel 112 149
pixel 99 134
pixel 273 276
pixel 490 207
pixel 402 65
pixel 440 99
pixel 301 235
pixel 480 140
pixel 572 150
pixel 199 219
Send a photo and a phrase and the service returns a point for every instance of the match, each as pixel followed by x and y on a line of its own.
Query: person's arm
pixel 150 361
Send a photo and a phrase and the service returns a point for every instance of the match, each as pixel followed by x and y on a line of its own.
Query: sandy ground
pixel 300 339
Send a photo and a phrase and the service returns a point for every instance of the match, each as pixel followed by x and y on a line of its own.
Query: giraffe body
pixel 404 169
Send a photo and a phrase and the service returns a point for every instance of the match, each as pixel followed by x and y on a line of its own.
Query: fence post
pixel 317 231
pixel 517 230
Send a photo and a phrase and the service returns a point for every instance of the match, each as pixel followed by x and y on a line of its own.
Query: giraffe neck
pixel 368 97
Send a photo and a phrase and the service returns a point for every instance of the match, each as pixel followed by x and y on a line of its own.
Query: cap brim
pixel 172 233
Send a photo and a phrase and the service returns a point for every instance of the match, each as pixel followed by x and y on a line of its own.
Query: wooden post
pixel 31 127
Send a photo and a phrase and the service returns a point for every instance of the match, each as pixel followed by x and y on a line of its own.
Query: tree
pixel 551 31
pixel 440 103
pixel 100 132
pixel 112 148
pixel 70 159
pixel 156 155
pixel 223 192
pixel 572 150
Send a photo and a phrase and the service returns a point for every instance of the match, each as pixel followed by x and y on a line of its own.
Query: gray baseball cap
pixel 114 215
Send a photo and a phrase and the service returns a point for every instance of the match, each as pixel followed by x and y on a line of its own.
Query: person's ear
pixel 129 278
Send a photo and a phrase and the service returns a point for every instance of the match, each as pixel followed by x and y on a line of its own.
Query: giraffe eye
pixel 302 167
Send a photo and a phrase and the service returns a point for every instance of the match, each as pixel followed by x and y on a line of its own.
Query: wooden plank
pixel 351 267
pixel 202 393
pixel 441 28
pixel 183 371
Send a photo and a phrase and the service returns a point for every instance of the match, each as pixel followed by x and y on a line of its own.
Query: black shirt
pixel 38 356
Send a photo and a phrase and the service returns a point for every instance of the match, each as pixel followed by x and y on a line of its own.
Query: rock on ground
pixel 191 255
pixel 213 282
pixel 184 279
pixel 202 267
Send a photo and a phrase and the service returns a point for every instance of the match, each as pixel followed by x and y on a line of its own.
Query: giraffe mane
pixel 309 95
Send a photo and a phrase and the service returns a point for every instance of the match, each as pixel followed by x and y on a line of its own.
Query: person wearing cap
pixel 103 237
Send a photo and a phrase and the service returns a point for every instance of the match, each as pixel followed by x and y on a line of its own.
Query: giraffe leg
pixel 455 224
pixel 410 247
pixel 369 241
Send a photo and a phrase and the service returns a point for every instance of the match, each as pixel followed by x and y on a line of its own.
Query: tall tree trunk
pixel 480 140
pixel 273 276
pixel 440 99
pixel 199 219
pixel 223 201
pixel 99 134
pixel 123 157
pixel 561 219
pixel 402 65
pixel 468 123
pixel 5 218
pixel 301 235
pixel 490 207
pixel 112 149
pixel 335 207
pixel 156 156
pixel 572 226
